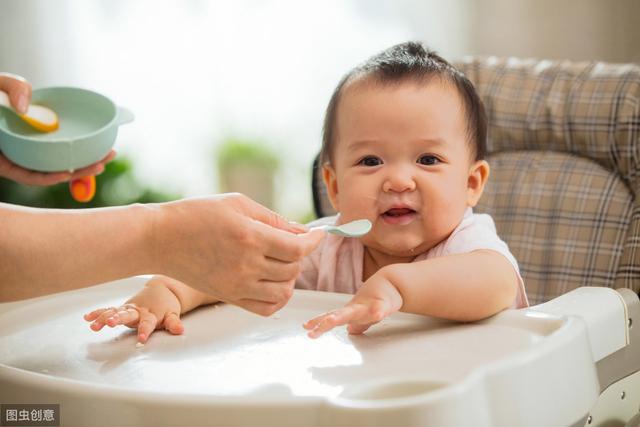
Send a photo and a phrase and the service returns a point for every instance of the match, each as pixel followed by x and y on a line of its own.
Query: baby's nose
pixel 399 181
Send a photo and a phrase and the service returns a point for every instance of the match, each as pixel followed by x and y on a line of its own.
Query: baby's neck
pixel 374 260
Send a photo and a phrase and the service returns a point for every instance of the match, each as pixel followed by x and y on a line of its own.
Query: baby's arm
pixel 463 287
pixel 158 305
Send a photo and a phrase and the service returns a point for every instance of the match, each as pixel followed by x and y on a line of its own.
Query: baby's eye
pixel 428 160
pixel 370 161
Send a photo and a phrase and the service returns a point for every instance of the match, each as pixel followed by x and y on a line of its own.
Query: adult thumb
pixel 18 90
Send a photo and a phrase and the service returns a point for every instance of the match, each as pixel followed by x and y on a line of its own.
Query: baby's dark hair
pixel 411 61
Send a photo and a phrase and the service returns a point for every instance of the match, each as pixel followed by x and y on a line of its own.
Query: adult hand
pixel 10 170
pixel 19 91
pixel 232 248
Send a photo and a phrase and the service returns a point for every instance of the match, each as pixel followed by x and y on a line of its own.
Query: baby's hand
pixel 375 300
pixel 154 307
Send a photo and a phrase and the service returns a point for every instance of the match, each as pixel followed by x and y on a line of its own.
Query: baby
pixel 403 146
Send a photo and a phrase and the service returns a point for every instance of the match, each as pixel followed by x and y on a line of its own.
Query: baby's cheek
pixel 437 226
pixel 354 206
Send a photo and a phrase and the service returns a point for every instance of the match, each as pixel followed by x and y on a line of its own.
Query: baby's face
pixel 402 160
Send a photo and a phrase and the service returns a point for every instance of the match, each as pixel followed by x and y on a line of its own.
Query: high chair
pixel 564 151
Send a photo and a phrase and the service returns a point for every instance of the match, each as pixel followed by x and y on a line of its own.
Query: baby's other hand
pixel 375 300
pixel 358 317
pixel 154 307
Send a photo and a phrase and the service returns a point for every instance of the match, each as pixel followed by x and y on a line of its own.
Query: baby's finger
pixel 101 320
pixel 333 319
pixel 90 317
pixel 325 325
pixel 338 313
pixel 124 316
pixel 173 324
pixel 146 325
pixel 357 329
pixel 311 324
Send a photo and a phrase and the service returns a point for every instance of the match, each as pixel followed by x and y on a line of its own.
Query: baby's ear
pixel 478 175
pixel 330 181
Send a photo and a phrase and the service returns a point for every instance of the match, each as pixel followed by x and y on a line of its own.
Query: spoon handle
pixel 83 189
pixel 334 229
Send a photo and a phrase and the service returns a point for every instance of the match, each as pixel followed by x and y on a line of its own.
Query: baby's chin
pixel 406 248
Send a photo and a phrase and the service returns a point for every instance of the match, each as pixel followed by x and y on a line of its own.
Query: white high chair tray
pixel 231 367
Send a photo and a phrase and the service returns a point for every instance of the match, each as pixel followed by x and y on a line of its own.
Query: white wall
pixel 557 29
pixel 195 71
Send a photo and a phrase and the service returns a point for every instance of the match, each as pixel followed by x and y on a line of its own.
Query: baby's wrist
pixel 382 287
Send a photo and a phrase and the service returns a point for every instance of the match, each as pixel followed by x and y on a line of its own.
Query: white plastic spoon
pixel 356 228
pixel 42 118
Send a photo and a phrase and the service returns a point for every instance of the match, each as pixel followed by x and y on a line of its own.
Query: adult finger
pixel 18 89
pixel 256 211
pixel 173 324
pixel 284 246
pixel 16 173
pixel 259 307
pixel 42 179
pixel 272 292
pixel 280 271
pixel 94 169
pixel 146 325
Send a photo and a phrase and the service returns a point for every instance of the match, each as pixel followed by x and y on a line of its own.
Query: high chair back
pixel 564 151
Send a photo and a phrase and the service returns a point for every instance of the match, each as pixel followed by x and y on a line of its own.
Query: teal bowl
pixel 88 129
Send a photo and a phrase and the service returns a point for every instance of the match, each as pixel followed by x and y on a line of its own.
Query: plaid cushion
pixel 564 217
pixel 564 144
pixel 588 109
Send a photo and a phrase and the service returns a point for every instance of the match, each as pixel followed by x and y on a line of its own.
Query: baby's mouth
pixel 399 216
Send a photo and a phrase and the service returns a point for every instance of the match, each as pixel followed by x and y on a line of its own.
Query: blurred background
pixel 230 95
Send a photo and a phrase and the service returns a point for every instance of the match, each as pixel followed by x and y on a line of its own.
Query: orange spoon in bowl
pixel 37 116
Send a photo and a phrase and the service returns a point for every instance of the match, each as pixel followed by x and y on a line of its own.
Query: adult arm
pixel 227 246
pixel 47 250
